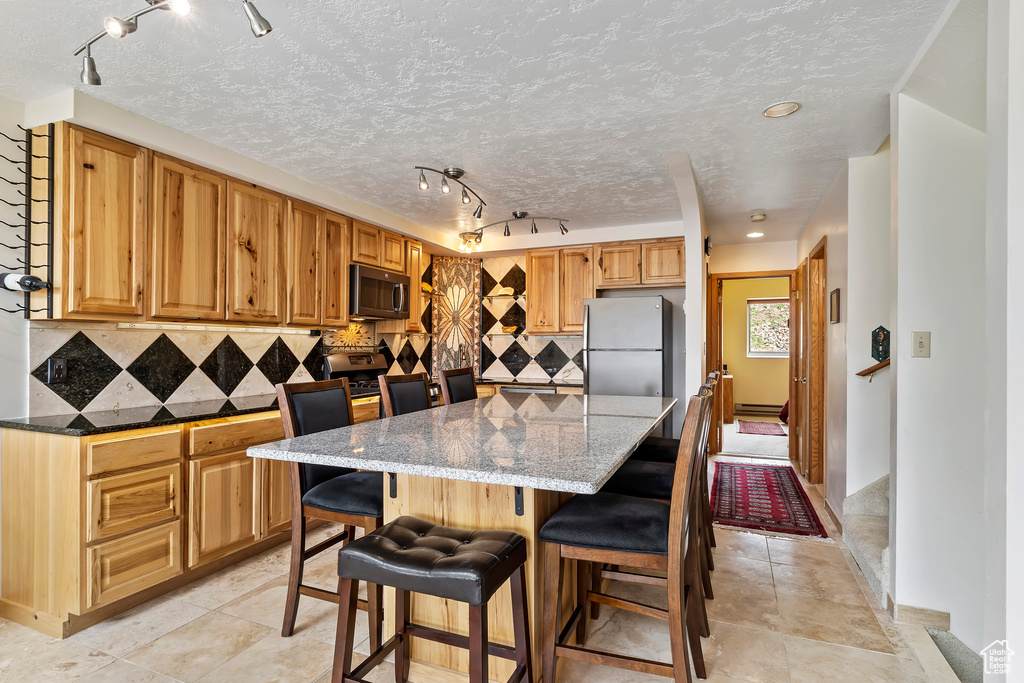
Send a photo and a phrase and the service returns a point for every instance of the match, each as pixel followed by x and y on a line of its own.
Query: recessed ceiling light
pixel 755 234
pixel 758 216
pixel 781 109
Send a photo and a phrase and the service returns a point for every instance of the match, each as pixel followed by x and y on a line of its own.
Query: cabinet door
pixel 107 230
pixel 124 566
pixel 334 267
pixel 187 242
pixel 542 291
pixel 127 502
pixel 392 251
pixel 222 506
pixel 664 263
pixel 618 265
pixel 366 244
pixel 305 227
pixel 365 409
pixel 577 285
pixel 277 497
pixel 414 269
pixel 255 256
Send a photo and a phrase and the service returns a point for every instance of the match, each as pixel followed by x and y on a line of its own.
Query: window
pixel 767 328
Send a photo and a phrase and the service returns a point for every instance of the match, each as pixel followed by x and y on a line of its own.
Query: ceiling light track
pixel 474 238
pixel 453 174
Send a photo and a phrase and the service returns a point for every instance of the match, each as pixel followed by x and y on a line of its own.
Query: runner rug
pixel 762 428
pixel 762 497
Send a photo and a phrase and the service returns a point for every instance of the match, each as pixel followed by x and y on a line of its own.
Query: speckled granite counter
pixel 567 443
pixel 108 421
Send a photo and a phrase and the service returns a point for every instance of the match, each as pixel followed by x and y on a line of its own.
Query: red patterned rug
pixel 762 428
pixel 762 497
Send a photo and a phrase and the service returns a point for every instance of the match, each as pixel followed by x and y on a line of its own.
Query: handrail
pixel 869 373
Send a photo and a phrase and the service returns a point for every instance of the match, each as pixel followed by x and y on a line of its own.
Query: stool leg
pixel 347 599
pixel 596 586
pixel 291 605
pixel 520 624
pixel 693 632
pixel 402 647
pixel 677 626
pixel 374 612
pixel 583 578
pixel 478 644
pixel 552 597
pixel 350 535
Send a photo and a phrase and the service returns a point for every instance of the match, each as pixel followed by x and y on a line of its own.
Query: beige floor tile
pixel 750 546
pixel 812 662
pixel 832 622
pixel 752 605
pixel 731 570
pixel 199 646
pixel 820 584
pixel 298 659
pixel 745 653
pixel 808 554
pixel 222 587
pixel 265 604
pixel 123 672
pixel 131 630
pixel 28 656
pixel 622 632
pixel 320 622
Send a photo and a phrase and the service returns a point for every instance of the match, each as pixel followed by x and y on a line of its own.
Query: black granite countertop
pixel 531 382
pixel 108 421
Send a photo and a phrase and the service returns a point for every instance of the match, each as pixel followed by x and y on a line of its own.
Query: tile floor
pixel 785 610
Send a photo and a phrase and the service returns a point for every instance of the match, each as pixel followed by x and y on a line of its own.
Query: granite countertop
pixel 108 421
pixel 532 382
pixel 557 442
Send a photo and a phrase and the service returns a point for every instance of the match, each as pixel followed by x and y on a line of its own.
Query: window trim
pixel 765 354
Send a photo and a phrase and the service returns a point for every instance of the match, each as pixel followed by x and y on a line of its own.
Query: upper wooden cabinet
pixel 414 270
pixel 106 230
pixel 255 256
pixel 618 264
pixel 543 296
pixel 637 264
pixel 186 242
pixel 305 231
pixel 663 262
pixel 392 251
pixel 577 285
pixel 334 270
pixel 372 246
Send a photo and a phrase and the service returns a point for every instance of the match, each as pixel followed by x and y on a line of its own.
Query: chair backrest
pixel 686 482
pixel 310 407
pixel 705 426
pixel 458 385
pixel 403 394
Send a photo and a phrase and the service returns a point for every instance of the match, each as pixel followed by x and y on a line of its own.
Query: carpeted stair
pixel 866 533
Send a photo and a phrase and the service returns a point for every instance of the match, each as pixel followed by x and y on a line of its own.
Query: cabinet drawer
pixel 134 451
pixel 365 409
pixel 235 435
pixel 131 501
pixel 126 565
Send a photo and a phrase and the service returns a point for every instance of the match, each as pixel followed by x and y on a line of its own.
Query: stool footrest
pixel 324 545
pixel 373 660
pixel 629 605
pixel 647 666
pixel 456 640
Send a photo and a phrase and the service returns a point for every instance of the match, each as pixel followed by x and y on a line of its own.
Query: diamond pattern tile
pixel 427 358
pixel 90 370
pixel 487 321
pixel 162 368
pixel 227 366
pixel 487 283
pixel 313 362
pixel 407 358
pixel 552 359
pixel 427 319
pixel 383 350
pixel 516 279
pixel 487 357
pixel 428 274
pixel 515 358
pixel 578 359
pixel 278 363
pixel 516 315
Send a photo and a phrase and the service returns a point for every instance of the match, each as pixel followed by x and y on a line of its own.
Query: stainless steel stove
pixel 360 367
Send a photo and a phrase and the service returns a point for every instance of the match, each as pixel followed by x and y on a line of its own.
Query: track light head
pixel 119 28
pixel 260 26
pixel 181 7
pixel 423 181
pixel 564 230
pixel 445 187
pixel 465 196
pixel 89 74
pixel 507 231
pixel 533 227
pixel 479 211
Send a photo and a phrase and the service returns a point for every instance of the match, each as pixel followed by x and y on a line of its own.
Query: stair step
pixel 867 537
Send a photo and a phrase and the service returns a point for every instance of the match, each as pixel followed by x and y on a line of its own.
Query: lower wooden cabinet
pixel 132 501
pixel 117 568
pixel 223 506
pixel 365 409
pixel 277 497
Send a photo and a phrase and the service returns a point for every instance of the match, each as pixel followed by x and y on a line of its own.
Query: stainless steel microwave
pixel 376 293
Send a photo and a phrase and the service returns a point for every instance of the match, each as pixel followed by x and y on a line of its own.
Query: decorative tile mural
pixel 505 356
pixel 112 369
pixel 456 312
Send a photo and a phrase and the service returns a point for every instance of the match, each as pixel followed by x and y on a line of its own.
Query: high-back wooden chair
pixel 334 494
pixel 403 394
pixel 458 385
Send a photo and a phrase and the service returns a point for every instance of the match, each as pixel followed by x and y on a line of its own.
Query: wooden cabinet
pixel 543 298
pixel 392 251
pixel 276 504
pixel 304 230
pixel 140 449
pixel 254 254
pixel 334 267
pixel 372 246
pixel 577 285
pixel 483 390
pixel 123 566
pixel 186 242
pixel 132 501
pixel 365 409
pixel 618 264
pixel 223 514
pixel 663 262
pixel 106 229
pixel 414 269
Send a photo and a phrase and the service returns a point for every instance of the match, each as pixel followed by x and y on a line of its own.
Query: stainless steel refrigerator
pixel 627 346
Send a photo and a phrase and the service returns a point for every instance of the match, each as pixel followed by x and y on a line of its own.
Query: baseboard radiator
pixel 756 409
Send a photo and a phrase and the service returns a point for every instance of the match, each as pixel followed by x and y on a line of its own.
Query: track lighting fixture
pixel 561 228
pixel 479 213
pixel 445 187
pixel 115 27
pixel 423 182
pixel 476 237
pixel 454 174
pixel 465 196
pixel 507 231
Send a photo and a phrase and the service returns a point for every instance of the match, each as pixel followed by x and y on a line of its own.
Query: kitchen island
pixel 500 462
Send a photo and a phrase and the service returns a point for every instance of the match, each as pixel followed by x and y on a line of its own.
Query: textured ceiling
pixel 558 107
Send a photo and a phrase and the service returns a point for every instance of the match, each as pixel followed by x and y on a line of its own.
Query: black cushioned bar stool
pixel 403 394
pixel 458 385
pixel 416 556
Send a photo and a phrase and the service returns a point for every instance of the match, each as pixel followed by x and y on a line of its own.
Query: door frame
pixel 714 338
pixel 815 322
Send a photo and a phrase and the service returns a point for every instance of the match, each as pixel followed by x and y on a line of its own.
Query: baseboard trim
pixel 835 518
pixel 919 616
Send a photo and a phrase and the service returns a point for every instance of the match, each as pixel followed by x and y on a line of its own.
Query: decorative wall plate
pixel 880 344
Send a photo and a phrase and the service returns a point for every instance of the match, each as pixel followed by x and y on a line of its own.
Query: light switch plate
pixel 921 345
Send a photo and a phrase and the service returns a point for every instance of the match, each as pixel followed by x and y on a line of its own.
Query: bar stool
pixel 608 528
pixel 403 394
pixel 413 555
pixel 458 385
pixel 334 494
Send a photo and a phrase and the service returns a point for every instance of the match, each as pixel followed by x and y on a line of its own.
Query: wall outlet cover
pixel 56 370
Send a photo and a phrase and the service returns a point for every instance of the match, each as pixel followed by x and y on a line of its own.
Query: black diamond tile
pixel 163 415
pixel 516 400
pixel 487 358
pixel 407 358
pixel 428 274
pixel 162 368
pixel 515 358
pixel 487 282
pixel 80 422
pixel 90 370
pixel 552 359
pixel 278 363
pixel 227 365
pixel 516 279
pixel 427 319
pixel 314 360
pixel 487 320
pixel 516 315
pixel 578 359
pixel 427 358
pixel 384 350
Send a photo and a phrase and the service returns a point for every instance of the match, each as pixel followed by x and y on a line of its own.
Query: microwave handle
pixel 400 288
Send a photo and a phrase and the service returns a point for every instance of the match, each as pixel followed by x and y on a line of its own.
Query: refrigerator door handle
pixel 586 349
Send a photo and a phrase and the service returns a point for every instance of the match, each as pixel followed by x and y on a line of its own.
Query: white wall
pixel 940 257
pixel 753 256
pixel 830 221
pixel 867 296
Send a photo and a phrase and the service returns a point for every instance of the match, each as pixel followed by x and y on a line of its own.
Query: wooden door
pixel 107 229
pixel 392 255
pixel 801 378
pixel 255 256
pixel 414 269
pixel 187 242
pixel 124 566
pixel 334 270
pixel 277 497
pixel 577 285
pixel 795 365
pixel 542 295
pixel 618 265
pixel 223 506
pixel 663 263
pixel 304 233
pixel 366 244
pixel 817 321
